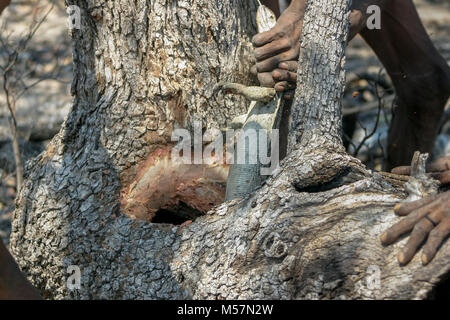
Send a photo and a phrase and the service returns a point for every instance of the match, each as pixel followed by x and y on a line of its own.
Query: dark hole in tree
pixel 344 178
pixel 178 215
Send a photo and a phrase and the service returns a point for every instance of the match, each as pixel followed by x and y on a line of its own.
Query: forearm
pixel 13 284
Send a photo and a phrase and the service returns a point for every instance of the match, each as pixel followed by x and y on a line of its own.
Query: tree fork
pixel 291 239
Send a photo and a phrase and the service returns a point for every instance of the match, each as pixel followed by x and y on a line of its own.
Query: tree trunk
pixel 144 68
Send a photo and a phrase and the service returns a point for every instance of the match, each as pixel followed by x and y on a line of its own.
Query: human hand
pixel 277 50
pixel 427 218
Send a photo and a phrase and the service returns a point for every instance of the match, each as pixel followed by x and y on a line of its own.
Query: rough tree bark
pixel 143 68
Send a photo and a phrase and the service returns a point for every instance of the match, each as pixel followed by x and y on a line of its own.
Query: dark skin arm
pixel 13 284
pixel 427 219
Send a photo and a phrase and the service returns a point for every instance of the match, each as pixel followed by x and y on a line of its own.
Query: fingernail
pixel 383 237
pixel 276 74
pixel 401 258
pixel 424 259
pixel 397 207
pixel 283 65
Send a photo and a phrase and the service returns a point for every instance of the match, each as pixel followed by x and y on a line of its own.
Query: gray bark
pixel 321 74
pixel 143 68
